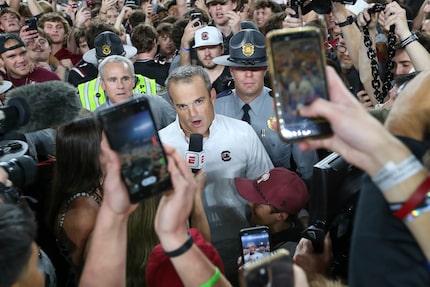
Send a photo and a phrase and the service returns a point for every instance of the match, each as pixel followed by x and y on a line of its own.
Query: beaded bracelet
pixel 415 213
pixel 213 280
pixel 414 200
pixel 182 249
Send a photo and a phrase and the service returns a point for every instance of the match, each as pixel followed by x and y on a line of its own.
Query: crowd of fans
pixel 202 66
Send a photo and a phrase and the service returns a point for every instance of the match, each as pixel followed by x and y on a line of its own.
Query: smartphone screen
pixel 275 270
pixel 131 132
pixel 255 243
pixel 297 71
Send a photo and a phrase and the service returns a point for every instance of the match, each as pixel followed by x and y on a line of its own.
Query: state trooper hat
pixel 247 49
pixel 107 44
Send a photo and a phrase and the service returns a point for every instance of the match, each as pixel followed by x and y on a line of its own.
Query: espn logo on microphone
pixel 195 160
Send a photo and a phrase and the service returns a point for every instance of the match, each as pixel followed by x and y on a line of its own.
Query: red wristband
pixel 416 198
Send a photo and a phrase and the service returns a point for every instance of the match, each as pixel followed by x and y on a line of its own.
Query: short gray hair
pixel 115 59
pixel 184 74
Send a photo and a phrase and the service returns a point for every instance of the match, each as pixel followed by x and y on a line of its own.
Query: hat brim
pixel 246 188
pixel 90 56
pixel 224 61
pixel 5 85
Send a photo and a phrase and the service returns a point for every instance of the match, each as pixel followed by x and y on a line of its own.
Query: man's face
pixel 261 15
pixel 219 10
pixel 118 82
pixel 249 82
pixel 38 50
pixel 120 4
pixel 262 214
pixel 15 61
pixel 83 46
pixel 205 54
pixel 111 16
pixel 402 63
pixel 343 55
pixel 56 31
pixel 173 10
pixel 251 249
pixel 166 45
pixel 32 276
pixel 9 23
pixel 195 107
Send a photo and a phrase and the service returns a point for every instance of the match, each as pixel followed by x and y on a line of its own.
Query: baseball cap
pixel 107 44
pixel 160 271
pixel 5 86
pixel 358 7
pixel 132 3
pixel 10 36
pixel 215 1
pixel 280 187
pixel 247 48
pixel 207 36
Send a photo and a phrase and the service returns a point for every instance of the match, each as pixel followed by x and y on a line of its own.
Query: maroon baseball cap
pixel 160 271
pixel 280 187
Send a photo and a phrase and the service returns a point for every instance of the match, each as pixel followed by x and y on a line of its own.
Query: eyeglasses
pixel 341 48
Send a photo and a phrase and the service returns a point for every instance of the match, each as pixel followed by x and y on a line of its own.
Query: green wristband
pixel 213 280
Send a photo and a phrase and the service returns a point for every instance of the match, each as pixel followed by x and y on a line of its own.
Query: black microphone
pixel 15 114
pixel 195 156
pixel 50 104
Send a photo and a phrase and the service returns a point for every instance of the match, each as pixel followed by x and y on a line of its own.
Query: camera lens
pixel 22 170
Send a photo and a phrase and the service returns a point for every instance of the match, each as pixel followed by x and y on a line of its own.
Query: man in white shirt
pixel 232 149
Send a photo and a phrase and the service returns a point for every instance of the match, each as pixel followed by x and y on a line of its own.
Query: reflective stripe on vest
pixel 91 94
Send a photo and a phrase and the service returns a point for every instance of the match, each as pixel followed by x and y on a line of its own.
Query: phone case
pixel 131 132
pixel 297 71
pixel 274 270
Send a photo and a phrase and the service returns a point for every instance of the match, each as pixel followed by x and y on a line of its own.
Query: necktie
pixel 245 116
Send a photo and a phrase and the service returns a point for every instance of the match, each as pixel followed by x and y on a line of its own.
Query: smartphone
pixel 297 71
pixel 255 243
pixel 197 16
pixel 131 132
pixel 31 23
pixel 275 270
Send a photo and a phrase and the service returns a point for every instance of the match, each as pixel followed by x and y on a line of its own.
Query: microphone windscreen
pixel 22 108
pixel 196 142
pixel 51 104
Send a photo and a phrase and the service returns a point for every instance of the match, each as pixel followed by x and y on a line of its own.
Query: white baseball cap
pixel 358 7
pixel 207 36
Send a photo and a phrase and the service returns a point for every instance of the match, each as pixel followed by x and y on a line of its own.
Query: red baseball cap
pixel 280 187
pixel 160 271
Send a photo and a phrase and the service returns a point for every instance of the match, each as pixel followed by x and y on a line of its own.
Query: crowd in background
pixel 203 68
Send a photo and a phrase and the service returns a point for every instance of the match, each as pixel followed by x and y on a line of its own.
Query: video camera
pixel 319 6
pixel 334 191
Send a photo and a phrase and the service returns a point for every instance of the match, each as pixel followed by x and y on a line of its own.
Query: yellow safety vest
pixel 92 95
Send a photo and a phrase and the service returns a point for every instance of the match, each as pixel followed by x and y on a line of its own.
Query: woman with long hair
pixel 76 189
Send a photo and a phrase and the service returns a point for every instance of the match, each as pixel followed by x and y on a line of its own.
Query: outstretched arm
pixel 372 150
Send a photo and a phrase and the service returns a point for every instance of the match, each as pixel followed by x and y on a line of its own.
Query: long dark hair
pixel 77 166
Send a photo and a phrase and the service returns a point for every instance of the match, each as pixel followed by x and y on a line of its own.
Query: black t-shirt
pixel 383 251
pixel 152 69
pixel 224 81
pixel 82 72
